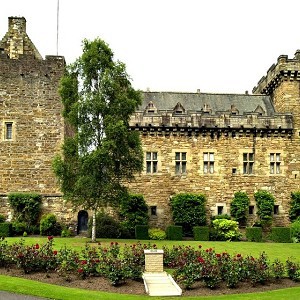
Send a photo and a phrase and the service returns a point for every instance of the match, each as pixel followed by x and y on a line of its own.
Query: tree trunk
pixel 94 227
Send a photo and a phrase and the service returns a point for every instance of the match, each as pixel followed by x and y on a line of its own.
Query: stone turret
pixel 16 41
pixel 282 84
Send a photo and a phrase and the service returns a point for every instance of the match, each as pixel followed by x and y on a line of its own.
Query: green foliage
pixel 254 234
pixel 223 216
pixel 49 225
pixel 239 207
pixel 265 206
pixel 174 233
pixel 133 211
pixel 281 234
pixel 188 210
pixel 157 234
pixel 98 101
pixel 106 226
pixel 294 212
pixel 5 229
pixel 201 233
pixel 141 232
pixel 2 218
pixel 66 232
pixel 26 207
pixel 295 231
pixel 225 230
pixel 18 228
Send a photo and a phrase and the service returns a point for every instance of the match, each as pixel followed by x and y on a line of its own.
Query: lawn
pixel 273 250
pixel 281 251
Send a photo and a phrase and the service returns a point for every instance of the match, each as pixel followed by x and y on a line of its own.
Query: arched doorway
pixel 83 218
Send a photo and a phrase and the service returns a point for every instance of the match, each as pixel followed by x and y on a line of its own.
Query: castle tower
pixel 282 83
pixel 16 41
pixel 32 128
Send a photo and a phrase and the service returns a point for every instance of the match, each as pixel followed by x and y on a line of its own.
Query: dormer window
pixel 206 109
pixel 178 109
pixel 150 108
pixel 259 110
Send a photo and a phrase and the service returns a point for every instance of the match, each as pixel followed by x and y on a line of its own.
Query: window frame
pixel 208 163
pixel 180 162
pixel 248 163
pixel 151 162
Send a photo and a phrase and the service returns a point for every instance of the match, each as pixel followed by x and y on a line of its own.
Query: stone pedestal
pixel 154 260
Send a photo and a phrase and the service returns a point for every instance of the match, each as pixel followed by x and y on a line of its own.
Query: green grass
pixel 273 250
pixel 281 251
pixel 30 287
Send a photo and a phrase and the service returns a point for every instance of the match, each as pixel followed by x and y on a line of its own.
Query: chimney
pixel 16 31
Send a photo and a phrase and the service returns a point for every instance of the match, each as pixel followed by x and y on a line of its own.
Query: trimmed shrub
pixel 49 225
pixel 201 233
pixel 223 216
pixel 174 233
pixel 265 207
pixel 5 229
pixel 157 234
pixel 254 234
pixel 188 210
pixel 225 230
pixel 106 226
pixel 141 232
pixel 133 211
pixel 281 234
pixel 239 207
pixel 295 231
pixel 2 218
pixel 18 228
pixel 294 212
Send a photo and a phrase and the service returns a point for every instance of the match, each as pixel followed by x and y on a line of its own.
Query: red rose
pixel 37 246
pixel 54 252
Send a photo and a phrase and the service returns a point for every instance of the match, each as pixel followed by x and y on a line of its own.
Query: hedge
pixel 254 234
pixel 141 232
pixel 174 233
pixel 201 233
pixel 5 229
pixel 281 234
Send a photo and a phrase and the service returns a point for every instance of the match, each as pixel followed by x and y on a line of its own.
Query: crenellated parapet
pixel 285 69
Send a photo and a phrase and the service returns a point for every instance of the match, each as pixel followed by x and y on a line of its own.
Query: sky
pixel 217 46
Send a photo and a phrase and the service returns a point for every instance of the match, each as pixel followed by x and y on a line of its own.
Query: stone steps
pixel 160 284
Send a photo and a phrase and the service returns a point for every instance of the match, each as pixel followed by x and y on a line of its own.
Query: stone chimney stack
pixel 16 41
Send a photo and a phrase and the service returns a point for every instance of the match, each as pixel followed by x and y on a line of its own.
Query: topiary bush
pixel 254 234
pixel 295 231
pixel 294 212
pixel 106 226
pixel 49 225
pixel 265 207
pixel 225 230
pixel 5 229
pixel 188 210
pixel 201 233
pixel 239 207
pixel 133 211
pixel 142 232
pixel 174 233
pixel 157 234
pixel 281 234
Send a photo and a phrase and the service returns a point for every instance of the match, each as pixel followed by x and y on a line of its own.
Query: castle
pixel 214 144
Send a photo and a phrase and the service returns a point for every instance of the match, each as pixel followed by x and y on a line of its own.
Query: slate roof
pixel 244 103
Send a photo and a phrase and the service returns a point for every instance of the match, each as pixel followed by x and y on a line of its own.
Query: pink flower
pixel 83 262
pixel 80 270
pixel 201 260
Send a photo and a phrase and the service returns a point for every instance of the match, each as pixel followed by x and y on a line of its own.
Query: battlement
pixel 285 69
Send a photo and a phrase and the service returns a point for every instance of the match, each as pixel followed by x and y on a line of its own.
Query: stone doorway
pixel 82 225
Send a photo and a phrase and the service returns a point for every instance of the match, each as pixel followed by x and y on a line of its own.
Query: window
pixel 151 162
pixel 248 162
pixel 220 210
pixel 153 210
pixel 8 130
pixel 208 162
pixel 276 210
pixel 180 162
pixel 275 163
pixel 251 209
